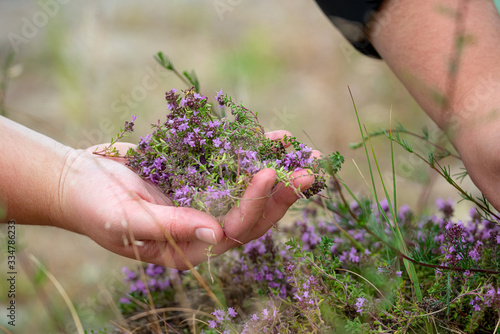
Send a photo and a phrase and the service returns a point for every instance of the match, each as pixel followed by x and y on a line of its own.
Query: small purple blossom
pixel 359 305
pixel 219 315
pixel 231 312
pixel 217 142
pixel 220 98
pixel 446 207
pixel 124 300
pixel 212 324
pixel 476 303
pixel 474 255
pixel 145 140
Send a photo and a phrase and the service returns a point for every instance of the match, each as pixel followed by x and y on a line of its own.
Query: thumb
pixel 160 223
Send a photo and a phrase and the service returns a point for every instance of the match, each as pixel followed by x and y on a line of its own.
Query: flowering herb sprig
pixel 111 150
pixel 202 161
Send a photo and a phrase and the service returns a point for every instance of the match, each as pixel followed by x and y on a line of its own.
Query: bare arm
pixel 420 41
pixel 30 170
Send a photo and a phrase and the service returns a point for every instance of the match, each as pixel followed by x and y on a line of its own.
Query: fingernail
pixel 206 235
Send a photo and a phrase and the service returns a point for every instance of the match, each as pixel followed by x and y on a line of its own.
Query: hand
pixel 102 198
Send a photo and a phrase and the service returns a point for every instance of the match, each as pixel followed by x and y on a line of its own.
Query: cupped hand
pixel 102 198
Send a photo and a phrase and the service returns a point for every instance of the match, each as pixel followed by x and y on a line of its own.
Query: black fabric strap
pixel 351 18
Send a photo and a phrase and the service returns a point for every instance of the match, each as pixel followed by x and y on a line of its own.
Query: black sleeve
pixel 351 18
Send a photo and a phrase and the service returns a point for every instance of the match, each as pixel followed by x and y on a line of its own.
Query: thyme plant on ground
pixel 320 281
pixel 358 265
pixel 338 269
pixel 204 161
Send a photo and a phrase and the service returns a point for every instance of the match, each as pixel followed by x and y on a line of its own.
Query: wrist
pixel 30 171
pixel 58 198
pixel 47 174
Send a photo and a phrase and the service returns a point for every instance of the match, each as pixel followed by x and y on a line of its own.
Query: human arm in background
pixel 447 54
pixel 43 182
pixel 418 40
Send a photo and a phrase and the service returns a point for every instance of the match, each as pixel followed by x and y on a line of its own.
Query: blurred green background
pixel 81 69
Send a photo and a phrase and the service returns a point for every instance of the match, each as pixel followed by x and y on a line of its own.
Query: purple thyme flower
pixel 145 140
pixel 359 305
pixel 475 303
pixel 219 315
pixel 231 312
pixel 220 98
pixel 446 207
pixel 353 257
pixel 212 324
pixel 384 204
pixel 130 275
pixel 217 142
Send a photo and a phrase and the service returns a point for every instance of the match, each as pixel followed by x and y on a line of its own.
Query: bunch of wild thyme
pixel 318 282
pixel 204 161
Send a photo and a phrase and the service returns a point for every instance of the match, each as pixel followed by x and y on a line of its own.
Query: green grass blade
pixel 395 229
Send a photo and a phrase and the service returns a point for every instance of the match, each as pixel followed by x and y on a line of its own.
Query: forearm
pixel 30 170
pixel 418 40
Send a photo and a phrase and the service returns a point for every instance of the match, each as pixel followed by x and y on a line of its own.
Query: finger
pixel 281 200
pixel 238 224
pixel 173 241
pixel 183 257
pixel 170 236
pixel 240 220
pixel 167 223
pixel 302 179
pixel 316 154
pixel 275 208
pixel 279 135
